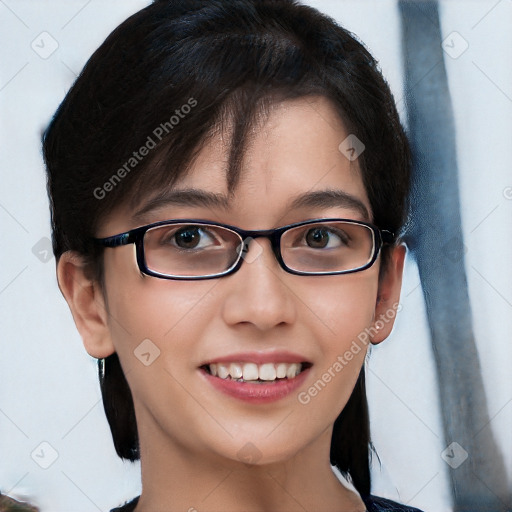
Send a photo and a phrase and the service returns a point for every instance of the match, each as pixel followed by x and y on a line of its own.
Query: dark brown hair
pixel 166 79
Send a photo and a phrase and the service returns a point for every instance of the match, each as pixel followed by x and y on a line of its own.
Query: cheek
pixel 163 311
pixel 342 307
pixel 158 310
pixel 342 314
pixel 155 332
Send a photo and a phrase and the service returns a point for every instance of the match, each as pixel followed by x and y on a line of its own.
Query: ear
pixel 388 296
pixel 87 303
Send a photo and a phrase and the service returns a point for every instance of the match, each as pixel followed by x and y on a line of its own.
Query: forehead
pixel 292 157
pixel 295 137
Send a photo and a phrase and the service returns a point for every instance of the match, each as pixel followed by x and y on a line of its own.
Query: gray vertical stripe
pixel 435 237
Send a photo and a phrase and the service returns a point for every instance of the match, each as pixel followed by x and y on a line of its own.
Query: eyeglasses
pixel 196 249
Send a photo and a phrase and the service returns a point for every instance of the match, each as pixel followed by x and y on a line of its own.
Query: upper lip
pixel 276 356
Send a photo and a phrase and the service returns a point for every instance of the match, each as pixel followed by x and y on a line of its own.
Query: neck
pixel 178 478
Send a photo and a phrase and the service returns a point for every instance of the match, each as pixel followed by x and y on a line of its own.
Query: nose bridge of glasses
pixel 253 246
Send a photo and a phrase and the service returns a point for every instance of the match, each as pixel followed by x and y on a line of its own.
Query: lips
pixel 257 377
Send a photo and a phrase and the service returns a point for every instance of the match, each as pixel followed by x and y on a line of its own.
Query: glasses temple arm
pixel 116 240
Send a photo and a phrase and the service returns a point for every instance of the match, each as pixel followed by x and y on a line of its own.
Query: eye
pixel 190 237
pixel 325 238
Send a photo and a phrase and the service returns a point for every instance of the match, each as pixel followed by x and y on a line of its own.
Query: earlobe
pixel 388 298
pixel 87 303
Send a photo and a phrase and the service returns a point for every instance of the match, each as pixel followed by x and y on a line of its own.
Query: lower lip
pixel 257 393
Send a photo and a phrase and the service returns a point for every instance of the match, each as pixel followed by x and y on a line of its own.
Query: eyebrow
pixel 188 197
pixel 205 199
pixel 329 199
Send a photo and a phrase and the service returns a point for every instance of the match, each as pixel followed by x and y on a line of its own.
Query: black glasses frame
pixel 136 236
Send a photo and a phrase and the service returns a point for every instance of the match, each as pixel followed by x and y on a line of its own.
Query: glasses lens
pixel 191 250
pixel 327 247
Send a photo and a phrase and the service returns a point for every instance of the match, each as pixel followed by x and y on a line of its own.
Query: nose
pixel 258 294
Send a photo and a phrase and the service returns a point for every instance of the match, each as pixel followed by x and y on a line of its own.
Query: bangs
pixel 232 79
pixel 239 120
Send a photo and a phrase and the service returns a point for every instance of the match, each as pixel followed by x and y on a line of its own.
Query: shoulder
pixel 376 504
pixel 127 507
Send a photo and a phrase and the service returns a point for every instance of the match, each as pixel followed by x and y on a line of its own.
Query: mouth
pixel 257 377
pixel 249 372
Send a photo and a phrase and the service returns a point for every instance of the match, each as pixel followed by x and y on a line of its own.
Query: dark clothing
pixel 373 504
pixel 376 504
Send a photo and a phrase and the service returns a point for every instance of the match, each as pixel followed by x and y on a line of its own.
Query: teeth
pixel 235 370
pixel 292 370
pixel 281 370
pixel 222 371
pixel 250 371
pixel 267 372
pixel 253 372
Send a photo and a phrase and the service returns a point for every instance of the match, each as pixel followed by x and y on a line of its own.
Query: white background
pixel 49 390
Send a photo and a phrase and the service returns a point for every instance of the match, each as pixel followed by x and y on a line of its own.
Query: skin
pixel 190 433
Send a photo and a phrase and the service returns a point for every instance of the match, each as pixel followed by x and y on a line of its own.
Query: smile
pixel 256 377
pixel 255 373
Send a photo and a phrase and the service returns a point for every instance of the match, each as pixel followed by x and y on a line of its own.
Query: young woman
pixel 228 182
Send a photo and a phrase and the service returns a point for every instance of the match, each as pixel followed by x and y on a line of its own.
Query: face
pixel 258 316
